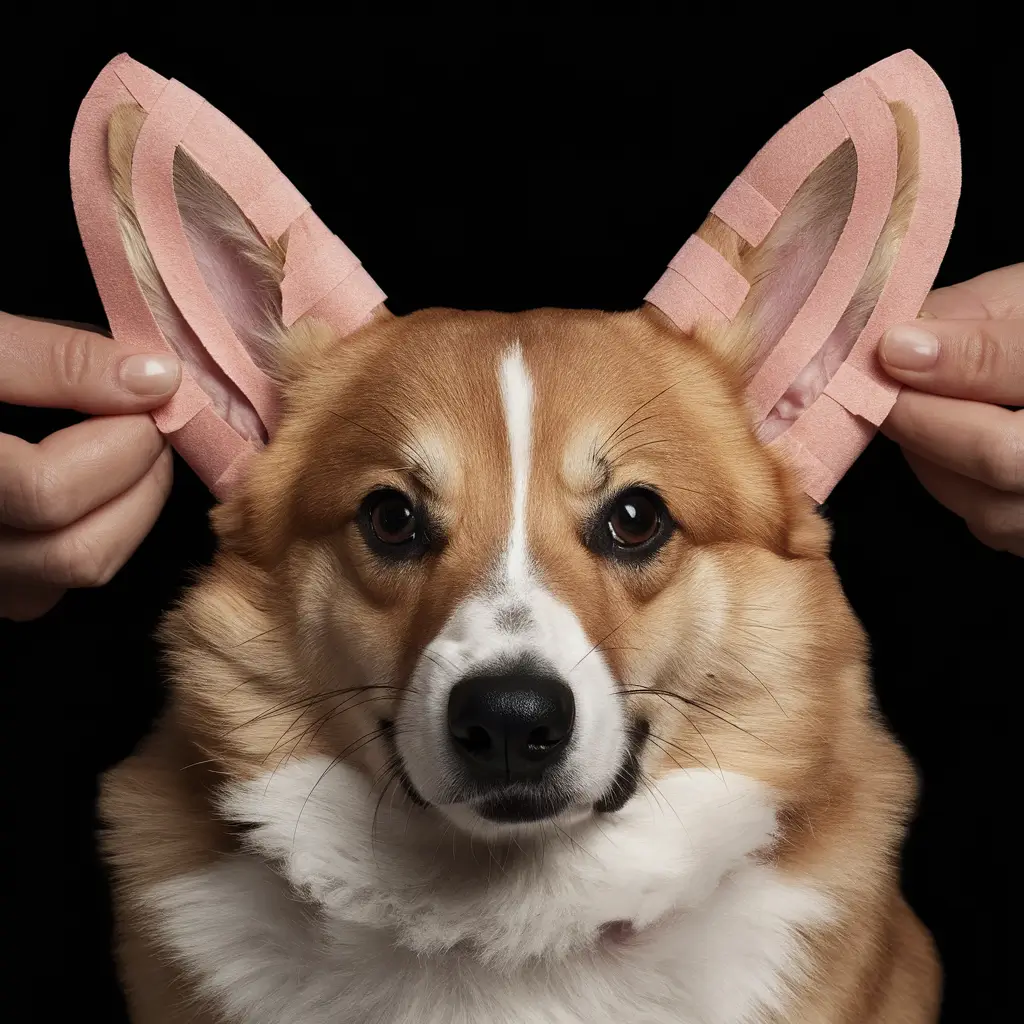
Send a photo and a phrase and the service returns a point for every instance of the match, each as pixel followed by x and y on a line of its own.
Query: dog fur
pixel 269 864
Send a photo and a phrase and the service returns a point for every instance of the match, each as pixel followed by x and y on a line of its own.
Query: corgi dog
pixel 522 689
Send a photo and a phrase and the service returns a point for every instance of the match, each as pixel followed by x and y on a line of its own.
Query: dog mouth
pixel 517 804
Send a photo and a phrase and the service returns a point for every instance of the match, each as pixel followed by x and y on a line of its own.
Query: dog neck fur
pixel 399 921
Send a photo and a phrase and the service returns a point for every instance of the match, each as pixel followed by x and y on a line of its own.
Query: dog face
pixel 514 565
pixel 517 573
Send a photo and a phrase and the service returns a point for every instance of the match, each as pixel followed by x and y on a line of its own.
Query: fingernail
pixel 910 348
pixel 150 374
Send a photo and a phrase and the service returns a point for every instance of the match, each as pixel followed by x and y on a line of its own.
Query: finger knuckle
pixel 73 358
pixel 980 358
pixel 43 497
pixel 33 497
pixel 1002 457
pixel 78 562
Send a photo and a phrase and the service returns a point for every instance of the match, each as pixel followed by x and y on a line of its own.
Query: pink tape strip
pixel 699 285
pixel 317 262
pixel 227 154
pixel 746 211
pixel 870 126
pixel 340 306
pixel 754 201
pixel 770 182
pixel 131 320
pixel 225 482
pixel 683 304
pixel 905 78
pixel 244 171
pixel 157 208
pixel 346 295
pixel 785 161
pixel 212 448
pixel 827 439
pixel 272 203
pixel 822 445
pixel 144 85
pixel 276 208
pixel 712 275
pixel 217 144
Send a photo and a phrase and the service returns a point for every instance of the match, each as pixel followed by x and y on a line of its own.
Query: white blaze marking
pixel 517 399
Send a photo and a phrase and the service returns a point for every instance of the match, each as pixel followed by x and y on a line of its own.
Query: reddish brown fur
pixel 296 607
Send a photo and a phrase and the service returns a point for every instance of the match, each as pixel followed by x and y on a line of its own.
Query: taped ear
pixel 198 243
pixel 832 234
pixel 241 272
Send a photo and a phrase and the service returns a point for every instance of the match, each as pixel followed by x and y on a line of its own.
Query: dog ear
pixel 786 266
pixel 242 271
pixel 833 233
pixel 198 243
pixel 239 269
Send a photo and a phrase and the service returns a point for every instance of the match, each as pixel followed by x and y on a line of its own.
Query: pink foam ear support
pixel 322 277
pixel 827 437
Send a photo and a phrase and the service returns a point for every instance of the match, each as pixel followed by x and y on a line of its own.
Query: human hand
pixel 74 507
pixel 963 362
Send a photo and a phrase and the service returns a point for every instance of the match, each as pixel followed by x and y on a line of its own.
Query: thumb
pixel 63 367
pixel 995 295
pixel 954 302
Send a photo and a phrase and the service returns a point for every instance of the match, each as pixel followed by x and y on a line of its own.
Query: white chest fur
pixel 413 925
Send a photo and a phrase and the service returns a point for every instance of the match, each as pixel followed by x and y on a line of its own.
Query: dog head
pixel 516 565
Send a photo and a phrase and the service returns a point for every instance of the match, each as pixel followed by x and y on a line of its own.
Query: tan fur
pixel 168 785
pixel 271 652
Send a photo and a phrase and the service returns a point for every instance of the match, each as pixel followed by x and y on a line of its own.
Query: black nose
pixel 512 726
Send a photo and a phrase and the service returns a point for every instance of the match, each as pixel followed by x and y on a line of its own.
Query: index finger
pixel 994 295
pixel 983 442
pixel 48 485
pixel 58 366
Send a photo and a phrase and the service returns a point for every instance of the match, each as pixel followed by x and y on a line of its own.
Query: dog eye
pixel 631 528
pixel 392 517
pixel 634 518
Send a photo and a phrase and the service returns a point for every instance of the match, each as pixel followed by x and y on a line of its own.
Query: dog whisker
pixel 334 762
pixel 638 409
pixel 258 636
pixel 603 640
pixel 700 706
pixel 754 676
pixel 305 702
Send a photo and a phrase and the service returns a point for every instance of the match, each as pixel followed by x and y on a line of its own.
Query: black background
pixel 519 163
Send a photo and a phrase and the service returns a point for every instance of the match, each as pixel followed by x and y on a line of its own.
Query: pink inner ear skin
pixel 810 383
pixel 228 401
pixel 798 268
pixel 238 291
